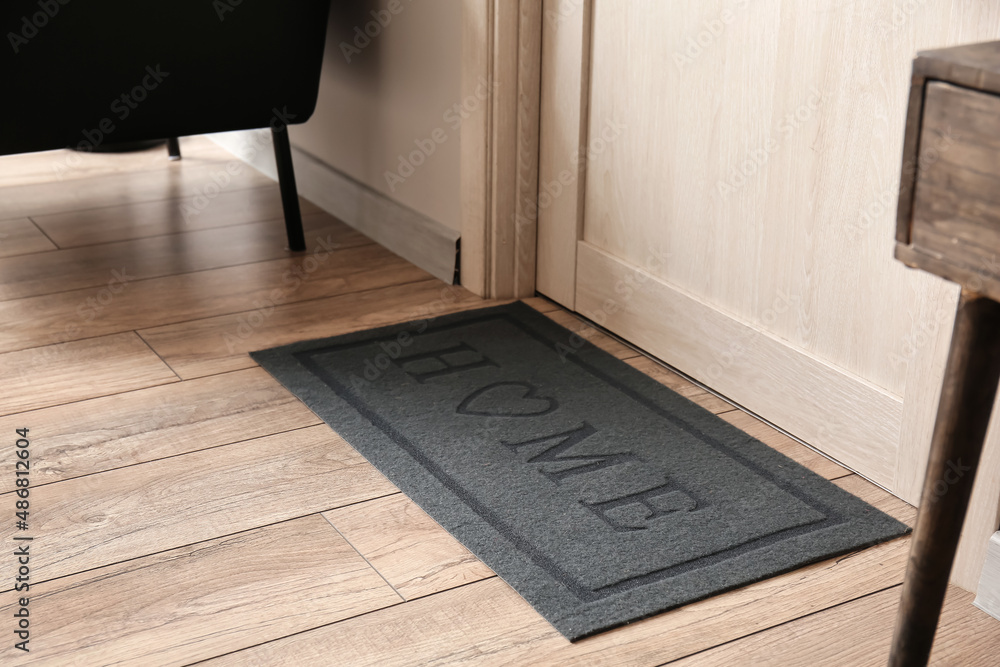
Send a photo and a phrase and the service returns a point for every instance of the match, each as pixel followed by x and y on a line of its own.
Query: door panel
pixel 767 161
pixel 738 206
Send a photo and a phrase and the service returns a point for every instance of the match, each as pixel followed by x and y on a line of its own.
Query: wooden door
pixel 718 184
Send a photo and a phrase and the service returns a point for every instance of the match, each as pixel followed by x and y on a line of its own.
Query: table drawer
pixel 956 200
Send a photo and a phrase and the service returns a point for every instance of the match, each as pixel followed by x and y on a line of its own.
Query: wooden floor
pixel 186 508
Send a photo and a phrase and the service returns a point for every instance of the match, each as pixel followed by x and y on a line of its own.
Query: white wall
pixel 379 95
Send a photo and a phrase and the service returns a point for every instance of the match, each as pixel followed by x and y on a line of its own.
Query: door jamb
pixel 501 72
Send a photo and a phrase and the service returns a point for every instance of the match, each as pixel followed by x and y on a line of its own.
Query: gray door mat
pixel 601 496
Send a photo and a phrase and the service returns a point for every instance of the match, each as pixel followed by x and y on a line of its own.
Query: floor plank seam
pixel 5 415
pixel 365 558
pixel 45 234
pixel 64 342
pixel 854 554
pixel 114 393
pixel 186 545
pixel 197 319
pixel 154 236
pixel 38 485
pixel 162 360
pixel 358 502
pixel 783 623
pixel 276 220
pixel 309 300
pixel 169 275
pixel 343 620
pixel 145 201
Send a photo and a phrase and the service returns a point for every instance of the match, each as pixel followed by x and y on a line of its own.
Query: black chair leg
pixel 174 148
pixel 289 193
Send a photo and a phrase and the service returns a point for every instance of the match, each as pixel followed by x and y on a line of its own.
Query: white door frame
pixel 501 68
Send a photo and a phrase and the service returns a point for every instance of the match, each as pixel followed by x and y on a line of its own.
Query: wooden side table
pixel 948 223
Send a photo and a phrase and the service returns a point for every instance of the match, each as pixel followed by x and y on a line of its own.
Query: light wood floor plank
pixel 185 179
pixel 48 166
pixel 170 216
pixel 878 498
pixel 414 554
pixel 41 377
pixel 858 640
pixel 114 265
pixel 220 344
pixel 541 304
pixel 22 237
pixel 102 434
pixel 201 600
pixel 100 519
pixel 486 623
pixel 248 289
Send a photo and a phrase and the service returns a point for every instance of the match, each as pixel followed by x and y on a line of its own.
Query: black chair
pixel 79 74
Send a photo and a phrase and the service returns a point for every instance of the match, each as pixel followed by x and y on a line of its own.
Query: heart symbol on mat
pixel 507 399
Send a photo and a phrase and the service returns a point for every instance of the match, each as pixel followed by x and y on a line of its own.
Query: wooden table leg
pixel 970 385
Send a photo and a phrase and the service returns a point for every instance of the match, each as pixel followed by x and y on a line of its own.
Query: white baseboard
pixel 988 594
pixel 416 238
